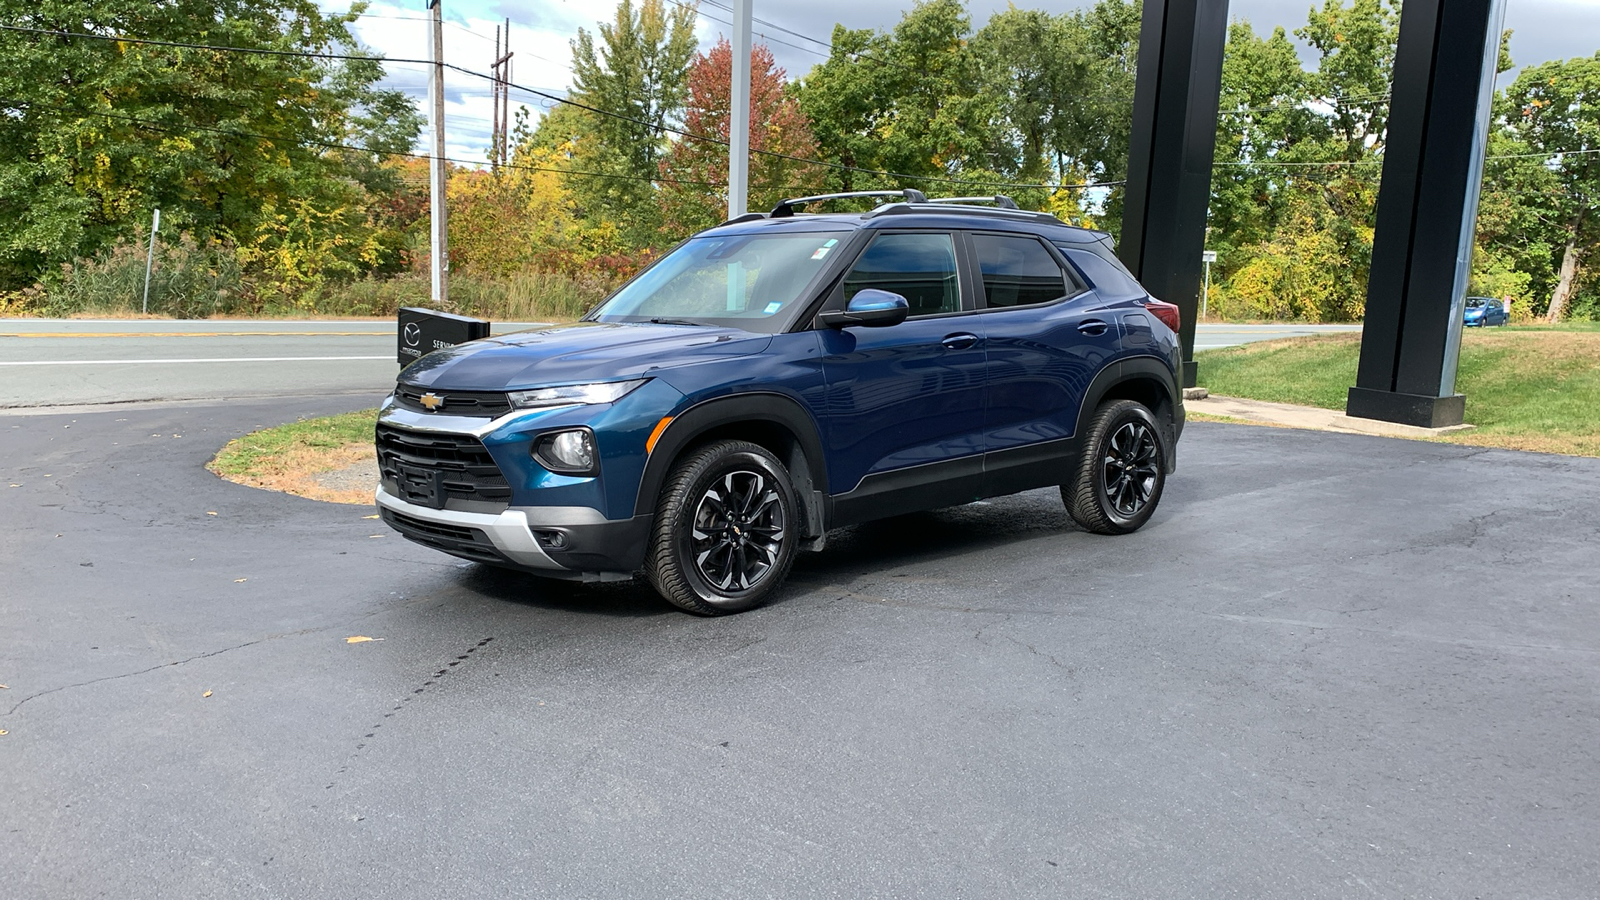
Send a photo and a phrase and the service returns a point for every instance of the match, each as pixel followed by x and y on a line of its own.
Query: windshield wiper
pixel 661 320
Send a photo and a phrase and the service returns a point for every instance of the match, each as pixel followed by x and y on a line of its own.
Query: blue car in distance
pixel 1486 311
pixel 788 373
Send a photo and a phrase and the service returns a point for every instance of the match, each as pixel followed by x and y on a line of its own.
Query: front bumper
pixel 555 541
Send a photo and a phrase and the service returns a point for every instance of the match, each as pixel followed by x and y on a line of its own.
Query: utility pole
pixel 739 113
pixel 437 165
pixel 501 69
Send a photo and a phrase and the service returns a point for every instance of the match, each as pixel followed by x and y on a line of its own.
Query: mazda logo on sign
pixel 413 334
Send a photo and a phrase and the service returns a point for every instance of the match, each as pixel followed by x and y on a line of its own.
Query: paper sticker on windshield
pixel 831 242
pixel 821 252
pixel 773 307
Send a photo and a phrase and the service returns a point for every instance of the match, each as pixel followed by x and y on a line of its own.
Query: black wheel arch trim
pixel 768 407
pixel 1136 369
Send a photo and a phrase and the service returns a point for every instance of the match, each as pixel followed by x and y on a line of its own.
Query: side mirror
pixel 871 307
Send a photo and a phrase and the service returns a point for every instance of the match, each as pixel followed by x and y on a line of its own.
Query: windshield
pixel 1474 302
pixel 756 282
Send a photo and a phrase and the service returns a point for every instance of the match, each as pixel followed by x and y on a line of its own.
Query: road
pixel 54 362
pixel 1331 666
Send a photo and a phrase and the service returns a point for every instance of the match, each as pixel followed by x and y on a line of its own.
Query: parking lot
pixel 1331 666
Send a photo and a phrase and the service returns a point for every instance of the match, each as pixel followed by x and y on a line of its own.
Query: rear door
pixel 1048 336
pixel 904 407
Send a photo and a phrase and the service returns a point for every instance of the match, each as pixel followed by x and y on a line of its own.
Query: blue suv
pixel 784 374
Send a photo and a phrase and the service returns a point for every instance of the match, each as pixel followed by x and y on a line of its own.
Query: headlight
pixel 573 394
pixel 568 452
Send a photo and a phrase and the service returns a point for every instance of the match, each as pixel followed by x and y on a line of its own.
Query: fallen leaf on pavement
pixel 240 580
pixel 364 517
pixel 206 694
pixel 360 639
pixel 210 513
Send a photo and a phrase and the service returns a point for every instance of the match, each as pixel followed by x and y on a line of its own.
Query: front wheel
pixel 726 530
pixel 1120 472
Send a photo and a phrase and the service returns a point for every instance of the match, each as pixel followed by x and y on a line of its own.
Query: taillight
pixel 1166 312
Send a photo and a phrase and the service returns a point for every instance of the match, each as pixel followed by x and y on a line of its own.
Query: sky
pixel 542 30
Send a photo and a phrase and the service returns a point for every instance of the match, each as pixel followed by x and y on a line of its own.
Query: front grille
pixel 456 403
pixel 468 543
pixel 432 469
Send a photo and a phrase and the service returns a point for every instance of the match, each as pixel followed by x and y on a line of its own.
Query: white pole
pixel 436 163
pixel 1206 297
pixel 739 113
pixel 149 258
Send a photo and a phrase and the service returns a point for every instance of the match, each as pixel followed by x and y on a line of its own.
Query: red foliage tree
pixel 777 126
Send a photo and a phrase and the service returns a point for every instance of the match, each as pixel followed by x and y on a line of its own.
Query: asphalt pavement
pixel 1331 666
pixel 73 362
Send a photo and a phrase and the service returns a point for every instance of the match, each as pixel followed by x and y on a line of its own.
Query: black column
pixel 1427 208
pixel 1170 153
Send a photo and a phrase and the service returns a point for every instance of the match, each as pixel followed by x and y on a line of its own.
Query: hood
pixel 576 354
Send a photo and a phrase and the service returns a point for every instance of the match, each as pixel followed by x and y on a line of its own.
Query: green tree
pixel 1553 110
pixel 94 133
pixel 635 78
pixel 911 103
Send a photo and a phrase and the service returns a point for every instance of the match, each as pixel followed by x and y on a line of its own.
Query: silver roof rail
pixel 786 208
pixel 1001 201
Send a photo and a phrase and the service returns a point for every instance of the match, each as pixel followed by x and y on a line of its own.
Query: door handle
pixel 1093 327
pixel 959 341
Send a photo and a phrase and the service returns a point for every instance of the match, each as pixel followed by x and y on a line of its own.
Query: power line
pixel 334 145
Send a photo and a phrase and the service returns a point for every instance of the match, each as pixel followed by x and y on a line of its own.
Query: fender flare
pixel 768 407
pixel 1137 368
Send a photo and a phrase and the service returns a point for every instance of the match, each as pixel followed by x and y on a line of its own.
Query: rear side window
pixel 1018 271
pixel 918 267
pixel 1110 281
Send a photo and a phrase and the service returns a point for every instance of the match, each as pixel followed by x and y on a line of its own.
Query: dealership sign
pixel 423 331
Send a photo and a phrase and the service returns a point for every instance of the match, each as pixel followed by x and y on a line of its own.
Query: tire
pixel 1121 470
pixel 712 557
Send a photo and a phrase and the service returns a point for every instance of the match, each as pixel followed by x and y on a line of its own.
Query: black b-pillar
pixel 1170 153
pixel 1427 207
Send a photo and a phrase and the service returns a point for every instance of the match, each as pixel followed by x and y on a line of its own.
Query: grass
pixel 297 458
pixel 1527 387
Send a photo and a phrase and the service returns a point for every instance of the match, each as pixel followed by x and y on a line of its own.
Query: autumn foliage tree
pixel 695 171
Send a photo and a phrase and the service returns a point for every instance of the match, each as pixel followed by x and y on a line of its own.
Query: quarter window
pixel 1017 271
pixel 918 267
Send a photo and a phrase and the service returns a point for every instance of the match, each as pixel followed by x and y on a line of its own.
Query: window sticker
pixel 831 242
pixel 821 252
pixel 773 307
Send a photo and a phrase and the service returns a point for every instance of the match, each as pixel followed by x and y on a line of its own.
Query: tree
pixel 777 126
pixel 94 133
pixel 909 104
pixel 634 84
pixel 1553 109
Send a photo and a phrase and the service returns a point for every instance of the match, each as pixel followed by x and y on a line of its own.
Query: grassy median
pixel 316 458
pixel 1528 387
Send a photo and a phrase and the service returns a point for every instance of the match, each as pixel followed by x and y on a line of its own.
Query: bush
pixel 187 281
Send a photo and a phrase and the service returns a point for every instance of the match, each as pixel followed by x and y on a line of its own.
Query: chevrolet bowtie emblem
pixel 431 401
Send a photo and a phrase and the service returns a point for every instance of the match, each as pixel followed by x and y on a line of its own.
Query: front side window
pixel 918 267
pixel 1017 271
pixel 756 282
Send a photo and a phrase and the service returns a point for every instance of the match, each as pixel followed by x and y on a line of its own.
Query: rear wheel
pixel 726 530
pixel 1121 470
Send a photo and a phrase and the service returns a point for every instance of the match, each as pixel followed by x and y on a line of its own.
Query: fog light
pixel 568 452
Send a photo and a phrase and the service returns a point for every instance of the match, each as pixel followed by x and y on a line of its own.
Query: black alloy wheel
pixel 725 533
pixel 1121 470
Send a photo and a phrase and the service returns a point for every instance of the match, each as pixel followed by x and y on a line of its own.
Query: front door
pixel 905 402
